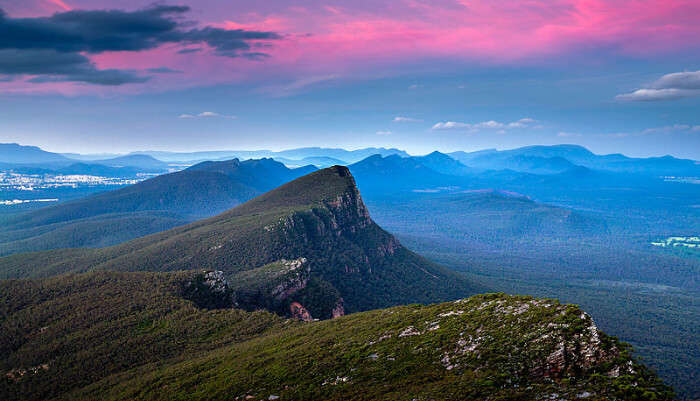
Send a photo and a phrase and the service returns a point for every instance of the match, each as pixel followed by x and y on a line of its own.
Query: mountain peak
pixel 318 187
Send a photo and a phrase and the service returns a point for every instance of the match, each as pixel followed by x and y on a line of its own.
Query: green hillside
pixel 150 206
pixel 320 217
pixel 148 336
pixel 63 333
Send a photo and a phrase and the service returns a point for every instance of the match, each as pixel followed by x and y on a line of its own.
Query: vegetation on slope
pixel 62 333
pixel 110 335
pixel 320 217
pixel 150 206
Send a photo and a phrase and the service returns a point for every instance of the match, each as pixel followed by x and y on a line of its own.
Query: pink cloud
pixel 61 4
pixel 364 35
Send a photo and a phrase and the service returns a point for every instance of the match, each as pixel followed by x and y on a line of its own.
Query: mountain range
pixel 202 311
pixel 554 221
pixel 530 159
pixel 559 158
pixel 12 153
pixel 150 206
pixel 346 156
pixel 319 217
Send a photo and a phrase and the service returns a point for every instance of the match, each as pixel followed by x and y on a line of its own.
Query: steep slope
pixel 320 217
pixel 64 333
pixel 168 200
pixel 148 336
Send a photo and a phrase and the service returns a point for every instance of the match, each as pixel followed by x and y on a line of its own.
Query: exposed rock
pixel 298 311
pixel 409 331
pixel 216 281
pixel 339 309
pixel 17 374
pixel 293 282
pixel 336 381
pixel 380 339
pixel 451 313
pixel 210 290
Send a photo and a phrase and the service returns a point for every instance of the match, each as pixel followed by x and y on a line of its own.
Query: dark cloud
pixel 98 31
pixel 53 66
pixel 190 50
pixel 229 43
pixel 54 46
pixel 163 70
pixel 255 55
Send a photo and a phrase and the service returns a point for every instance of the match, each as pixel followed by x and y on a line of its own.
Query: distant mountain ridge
pixel 559 158
pixel 139 161
pixel 349 156
pixel 12 153
pixel 164 201
pixel 535 159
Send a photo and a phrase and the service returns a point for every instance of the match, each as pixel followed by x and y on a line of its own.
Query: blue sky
pixel 600 89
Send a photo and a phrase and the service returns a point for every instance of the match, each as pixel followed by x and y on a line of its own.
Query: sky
pixel 94 76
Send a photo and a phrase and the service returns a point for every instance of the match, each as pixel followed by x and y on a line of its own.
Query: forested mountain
pixel 153 205
pixel 318 161
pixel 582 234
pixel 12 153
pixel 149 336
pixel 319 217
pixel 349 156
pixel 559 158
pixel 377 174
pixel 140 161
pixel 544 225
pixel 443 164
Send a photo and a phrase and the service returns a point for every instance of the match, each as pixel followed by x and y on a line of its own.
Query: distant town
pixel 11 183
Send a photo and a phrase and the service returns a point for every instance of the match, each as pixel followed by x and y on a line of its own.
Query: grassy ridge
pixel 110 335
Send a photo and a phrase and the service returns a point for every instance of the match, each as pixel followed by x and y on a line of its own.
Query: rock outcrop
pixel 298 311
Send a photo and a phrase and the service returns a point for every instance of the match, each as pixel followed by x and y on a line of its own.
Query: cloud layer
pixel 349 37
pixel 57 48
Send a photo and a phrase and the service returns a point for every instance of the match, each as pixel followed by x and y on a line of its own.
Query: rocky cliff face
pixel 285 287
pixel 210 290
pixel 339 223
